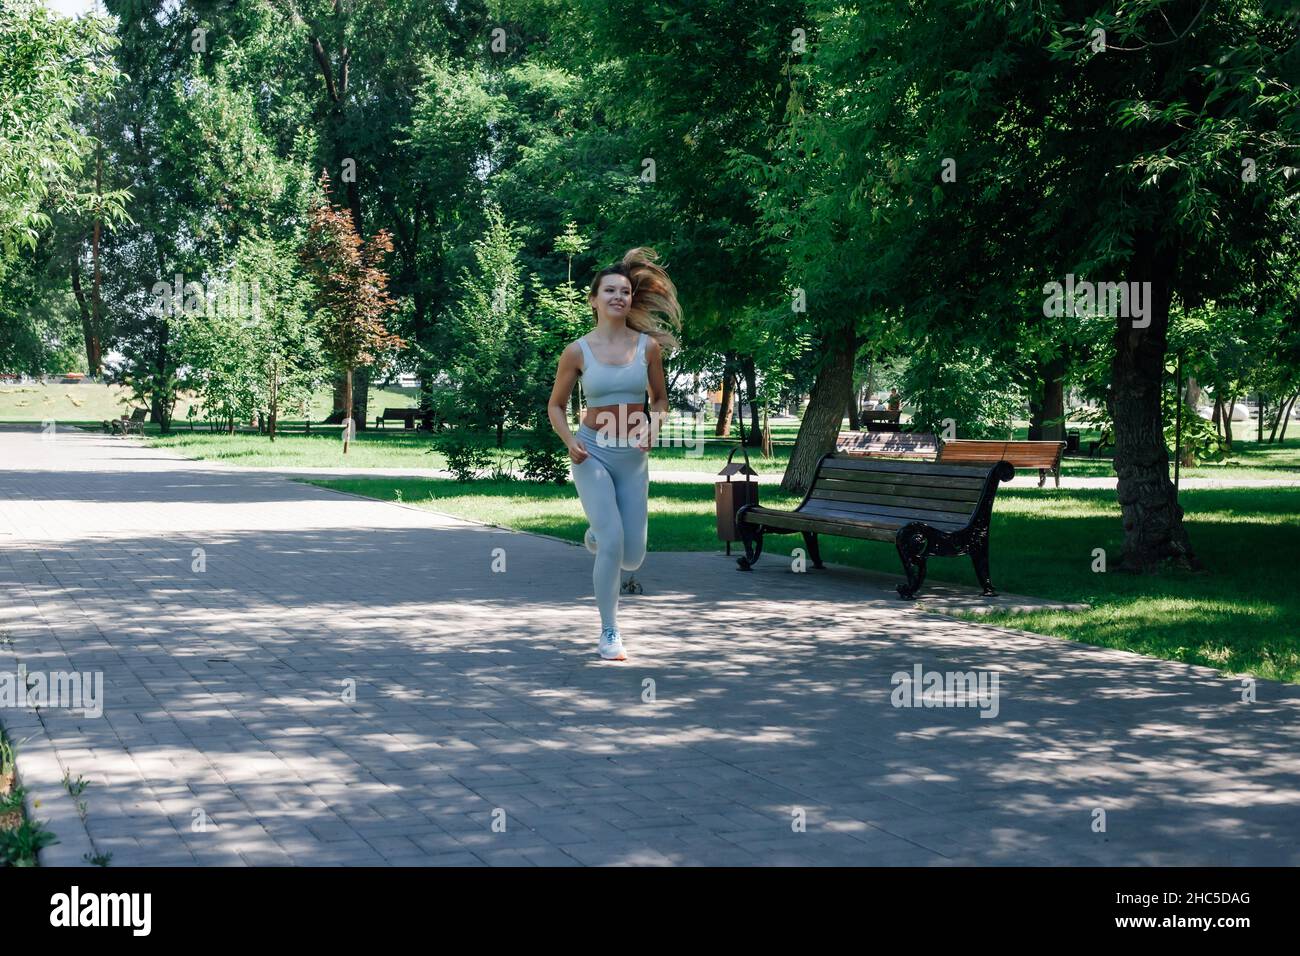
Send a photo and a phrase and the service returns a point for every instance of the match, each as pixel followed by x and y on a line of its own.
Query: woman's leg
pixel 632 488
pixel 596 489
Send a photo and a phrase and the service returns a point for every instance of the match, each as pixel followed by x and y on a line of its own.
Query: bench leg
pixel 911 546
pixel 1042 477
pixel 810 541
pixel 752 539
pixel 1057 473
pixel 979 556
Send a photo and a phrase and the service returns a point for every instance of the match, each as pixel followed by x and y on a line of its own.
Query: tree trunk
pixel 1053 426
pixel 855 416
pixel 426 399
pixel 340 409
pixel 1152 518
pixel 1277 419
pixel 361 397
pixel 96 306
pixel 823 416
pixel 723 428
pixel 1035 418
pixel 360 392
pixel 347 406
pixel 1287 416
pixel 1227 422
pixel 273 413
pixel 94 356
pixel 1259 417
pixel 1217 417
pixel 755 436
pixel 1049 402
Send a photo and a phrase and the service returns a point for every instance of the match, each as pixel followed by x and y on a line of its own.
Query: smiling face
pixel 613 297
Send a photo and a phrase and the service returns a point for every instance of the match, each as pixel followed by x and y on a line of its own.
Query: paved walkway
pixel 479 700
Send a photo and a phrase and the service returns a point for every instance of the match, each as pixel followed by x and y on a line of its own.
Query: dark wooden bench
pixel 925 509
pixel 880 420
pixel 888 444
pixel 1101 444
pixel 397 414
pixel 124 425
pixel 1043 455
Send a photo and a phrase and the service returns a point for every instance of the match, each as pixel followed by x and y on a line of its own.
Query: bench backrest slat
pixel 897 469
pixel 912 444
pixel 917 503
pixel 950 488
pixel 850 509
pixel 1020 454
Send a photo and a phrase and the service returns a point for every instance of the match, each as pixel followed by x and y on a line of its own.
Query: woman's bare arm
pixel 566 374
pixel 657 388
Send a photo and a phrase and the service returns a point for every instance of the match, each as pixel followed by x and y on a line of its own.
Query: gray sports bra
pixel 614 384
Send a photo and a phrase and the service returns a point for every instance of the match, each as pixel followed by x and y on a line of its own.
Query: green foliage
pixel 18 847
pixel 219 355
pixel 496 361
pixel 969 386
pixel 49 66
pixel 39 331
pixel 467 452
pixel 544 459
pixel 1196 436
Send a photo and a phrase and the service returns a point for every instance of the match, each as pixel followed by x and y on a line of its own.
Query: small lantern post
pixel 730 496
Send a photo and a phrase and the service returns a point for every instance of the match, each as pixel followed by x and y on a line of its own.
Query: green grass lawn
pixel 91 403
pixel 1240 615
pixel 397 447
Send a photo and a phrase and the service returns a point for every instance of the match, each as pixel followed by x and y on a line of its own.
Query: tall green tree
pixel 979 151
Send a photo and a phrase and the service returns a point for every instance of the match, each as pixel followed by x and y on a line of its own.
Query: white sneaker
pixel 611 644
pixel 589 539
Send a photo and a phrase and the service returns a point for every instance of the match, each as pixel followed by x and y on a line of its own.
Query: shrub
pixel 543 459
pixel 467 454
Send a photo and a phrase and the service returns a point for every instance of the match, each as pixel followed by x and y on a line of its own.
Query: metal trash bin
pixel 730 496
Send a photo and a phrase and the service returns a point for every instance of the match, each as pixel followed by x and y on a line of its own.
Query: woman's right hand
pixel 578 452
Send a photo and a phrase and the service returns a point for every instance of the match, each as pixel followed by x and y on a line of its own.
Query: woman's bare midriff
pixel 618 419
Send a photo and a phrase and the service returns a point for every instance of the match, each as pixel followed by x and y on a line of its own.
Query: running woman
pixel 619 362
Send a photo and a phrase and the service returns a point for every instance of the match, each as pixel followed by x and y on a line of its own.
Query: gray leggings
pixel 614 484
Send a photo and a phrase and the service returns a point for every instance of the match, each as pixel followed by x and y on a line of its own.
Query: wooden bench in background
pixel 925 509
pixel 1043 455
pixel 879 420
pixel 887 444
pixel 397 414
pixel 124 425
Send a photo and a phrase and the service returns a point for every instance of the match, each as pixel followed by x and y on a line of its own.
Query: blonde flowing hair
pixel 652 292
